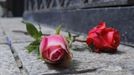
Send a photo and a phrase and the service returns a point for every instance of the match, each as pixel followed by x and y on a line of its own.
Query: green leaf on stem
pixel 40 34
pixel 58 29
pixel 33 46
pixel 69 35
pixel 32 30
pixel 37 52
pixel 70 39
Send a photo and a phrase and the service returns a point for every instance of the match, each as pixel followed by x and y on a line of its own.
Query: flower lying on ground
pixel 53 49
pixel 103 39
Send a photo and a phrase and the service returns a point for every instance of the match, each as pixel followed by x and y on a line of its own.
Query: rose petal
pixel 56 40
pixel 43 43
pixel 104 38
pixel 98 42
pixel 53 48
pixel 56 53
pixel 98 29
pixel 108 34
pixel 90 38
pixel 116 40
pixel 101 25
pixel 112 37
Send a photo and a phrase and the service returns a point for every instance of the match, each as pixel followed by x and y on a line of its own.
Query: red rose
pixel 103 39
pixel 54 49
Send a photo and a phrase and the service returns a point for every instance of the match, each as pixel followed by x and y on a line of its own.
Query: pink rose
pixel 54 49
pixel 104 39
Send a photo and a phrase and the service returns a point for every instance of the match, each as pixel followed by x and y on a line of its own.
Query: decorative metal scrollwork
pixel 31 5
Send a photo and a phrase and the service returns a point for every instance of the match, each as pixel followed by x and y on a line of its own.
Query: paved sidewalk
pixel 15 60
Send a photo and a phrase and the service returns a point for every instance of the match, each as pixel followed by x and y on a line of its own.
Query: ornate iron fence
pixel 71 4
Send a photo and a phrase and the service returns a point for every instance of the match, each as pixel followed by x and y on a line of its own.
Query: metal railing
pixel 70 4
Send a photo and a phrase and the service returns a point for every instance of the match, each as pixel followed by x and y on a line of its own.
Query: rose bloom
pixel 103 39
pixel 54 49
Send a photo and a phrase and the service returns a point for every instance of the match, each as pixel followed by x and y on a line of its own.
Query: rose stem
pixel 79 40
pixel 46 34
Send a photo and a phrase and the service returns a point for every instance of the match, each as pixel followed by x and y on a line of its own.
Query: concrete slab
pixel 8 64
